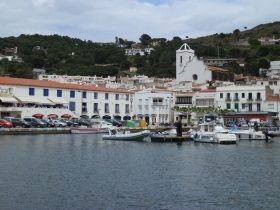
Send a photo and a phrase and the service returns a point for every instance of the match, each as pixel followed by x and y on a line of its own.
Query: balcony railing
pixel 117 111
pixel 177 102
pixel 157 103
pixel 127 111
pixel 107 111
pixel 258 99
pixel 236 99
pixel 250 99
pixel 228 99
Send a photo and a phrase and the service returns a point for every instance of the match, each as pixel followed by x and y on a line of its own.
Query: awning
pixel 8 99
pixel 26 99
pixel 139 115
pixel 153 115
pixel 34 100
pixel 58 101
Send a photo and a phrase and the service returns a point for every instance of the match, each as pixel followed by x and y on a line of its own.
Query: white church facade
pixel 190 69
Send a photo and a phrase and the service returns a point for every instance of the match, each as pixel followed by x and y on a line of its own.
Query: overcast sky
pixel 102 20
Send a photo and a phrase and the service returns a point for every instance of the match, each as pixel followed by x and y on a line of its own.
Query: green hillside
pixel 72 56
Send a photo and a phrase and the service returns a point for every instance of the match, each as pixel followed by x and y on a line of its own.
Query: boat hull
pixel 167 138
pixel 216 139
pixel 88 130
pixel 127 137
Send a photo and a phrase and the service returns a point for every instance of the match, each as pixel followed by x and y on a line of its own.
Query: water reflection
pixel 83 172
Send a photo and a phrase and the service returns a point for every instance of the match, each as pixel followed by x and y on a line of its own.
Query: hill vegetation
pixel 72 56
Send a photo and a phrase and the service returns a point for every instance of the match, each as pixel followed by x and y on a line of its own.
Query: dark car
pixel 49 123
pixel 267 124
pixel 20 122
pixel 69 122
pixel 35 122
pixel 114 122
pixel 81 121
pixel 230 124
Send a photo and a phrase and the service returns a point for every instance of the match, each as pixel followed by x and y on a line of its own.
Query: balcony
pixel 84 111
pixel 157 103
pixel 107 111
pixel 250 99
pixel 258 99
pixel 177 102
pixel 236 99
pixel 227 99
pixel 127 111
pixel 117 111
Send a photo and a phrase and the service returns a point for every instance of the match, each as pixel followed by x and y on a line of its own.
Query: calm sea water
pixel 84 172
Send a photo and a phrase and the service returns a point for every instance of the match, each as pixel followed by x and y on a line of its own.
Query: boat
pixel 125 135
pixel 96 126
pixel 211 133
pixel 170 136
pixel 251 134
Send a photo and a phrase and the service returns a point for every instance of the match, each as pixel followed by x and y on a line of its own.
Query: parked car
pixel 48 123
pixel 244 124
pixel 35 122
pixel 58 123
pixel 5 123
pixel 20 122
pixel 267 124
pixel 230 124
pixel 81 121
pixel 114 122
pixel 69 122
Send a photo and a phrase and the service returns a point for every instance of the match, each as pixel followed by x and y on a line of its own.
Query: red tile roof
pixel 51 84
pixel 273 98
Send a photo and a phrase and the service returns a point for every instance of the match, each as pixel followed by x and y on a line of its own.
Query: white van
pixel 253 121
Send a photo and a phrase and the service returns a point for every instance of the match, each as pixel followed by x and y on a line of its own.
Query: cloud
pixel 101 21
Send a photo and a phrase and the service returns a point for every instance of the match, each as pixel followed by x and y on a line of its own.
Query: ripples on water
pixel 84 172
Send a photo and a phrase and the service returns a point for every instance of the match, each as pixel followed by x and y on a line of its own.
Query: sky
pixel 103 20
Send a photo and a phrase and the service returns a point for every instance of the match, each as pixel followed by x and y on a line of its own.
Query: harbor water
pixel 64 171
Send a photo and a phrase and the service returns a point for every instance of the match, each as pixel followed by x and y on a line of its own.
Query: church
pixel 190 69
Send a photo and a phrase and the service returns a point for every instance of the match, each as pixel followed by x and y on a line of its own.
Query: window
pixel 243 95
pixel 95 95
pixel 72 94
pixel 243 106
pixel 31 91
pixel 258 107
pixel 106 96
pixel 236 106
pixel 228 105
pixel 72 106
pixel 45 92
pixel 184 100
pixel 221 95
pixel 228 96
pixel 127 97
pixel 117 96
pixel 84 94
pixel 127 108
pixel 250 107
pixel 95 107
pixel 235 95
pixel 59 93
pixel 258 95
pixel 250 96
pixel 181 59
pixel 106 107
pixel 117 108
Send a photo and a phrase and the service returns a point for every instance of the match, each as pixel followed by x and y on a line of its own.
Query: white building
pixel 48 97
pixel 154 106
pixel 247 101
pixel 134 51
pixel 190 68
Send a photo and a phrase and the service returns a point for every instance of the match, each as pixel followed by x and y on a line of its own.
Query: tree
pixel 263 51
pixel 145 39
pixel 236 32
pixel 263 63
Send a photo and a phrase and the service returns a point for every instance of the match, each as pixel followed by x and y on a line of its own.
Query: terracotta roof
pixel 51 84
pixel 273 98
pixel 208 90
pixel 213 68
pixel 239 77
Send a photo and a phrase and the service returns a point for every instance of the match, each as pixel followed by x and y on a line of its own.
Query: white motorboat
pixel 96 126
pixel 211 133
pixel 251 134
pixel 118 134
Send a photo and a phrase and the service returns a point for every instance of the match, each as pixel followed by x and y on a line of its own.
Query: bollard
pixel 179 129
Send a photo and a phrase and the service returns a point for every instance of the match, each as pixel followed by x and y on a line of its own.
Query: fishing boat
pixel 211 133
pixel 96 126
pixel 125 135
pixel 170 136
